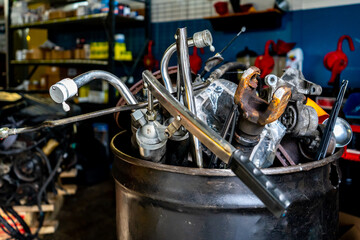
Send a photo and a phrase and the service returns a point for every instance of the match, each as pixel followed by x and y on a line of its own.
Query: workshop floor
pixel 89 214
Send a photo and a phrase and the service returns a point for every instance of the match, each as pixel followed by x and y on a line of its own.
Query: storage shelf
pixel 60 62
pixel 66 62
pixel 268 19
pixel 71 20
pixel 53 1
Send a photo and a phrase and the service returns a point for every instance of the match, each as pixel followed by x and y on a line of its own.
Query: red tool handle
pixel 350 41
pixel 267 46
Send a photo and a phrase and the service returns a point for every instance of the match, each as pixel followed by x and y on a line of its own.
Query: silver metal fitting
pixel 63 90
pixel 138 116
pixel 152 141
pixel 203 39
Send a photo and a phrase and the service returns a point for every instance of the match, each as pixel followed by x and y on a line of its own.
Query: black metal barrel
pixel 157 201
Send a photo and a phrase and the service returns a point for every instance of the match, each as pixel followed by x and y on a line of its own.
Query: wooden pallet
pixel 68 189
pixel 30 213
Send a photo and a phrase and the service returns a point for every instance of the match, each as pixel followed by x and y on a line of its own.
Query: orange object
pixel 320 112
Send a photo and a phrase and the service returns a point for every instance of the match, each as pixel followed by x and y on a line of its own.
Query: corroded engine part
pixel 255 112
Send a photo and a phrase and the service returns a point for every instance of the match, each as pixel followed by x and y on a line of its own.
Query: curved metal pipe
pixel 61 91
pixel 200 40
pixel 165 64
pixel 87 77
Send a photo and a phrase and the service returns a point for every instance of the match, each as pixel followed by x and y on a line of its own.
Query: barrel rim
pixel 219 172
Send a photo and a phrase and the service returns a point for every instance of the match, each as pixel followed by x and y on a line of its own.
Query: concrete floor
pixel 89 214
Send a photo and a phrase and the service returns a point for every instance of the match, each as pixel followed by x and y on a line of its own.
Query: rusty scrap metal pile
pixel 194 121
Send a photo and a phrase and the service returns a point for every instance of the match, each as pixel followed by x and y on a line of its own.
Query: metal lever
pixel 257 182
pixel 5 131
pixel 325 140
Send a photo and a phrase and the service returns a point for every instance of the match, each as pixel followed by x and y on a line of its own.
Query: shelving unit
pixel 108 22
pixel 92 19
pixel 268 19
pixel 60 62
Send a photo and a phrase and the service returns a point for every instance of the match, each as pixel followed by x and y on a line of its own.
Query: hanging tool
pixel 266 62
pixel 325 140
pixel 195 60
pixel 149 60
pixel 337 61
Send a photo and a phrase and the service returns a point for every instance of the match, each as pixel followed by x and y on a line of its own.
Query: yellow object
pixel 320 112
pixel 50 146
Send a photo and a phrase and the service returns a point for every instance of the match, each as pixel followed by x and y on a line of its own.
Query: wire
pixel 20 220
pixel 12 220
pixel 17 151
pixel 11 231
pixel 42 190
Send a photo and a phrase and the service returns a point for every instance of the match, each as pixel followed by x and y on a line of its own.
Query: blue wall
pixel 315 31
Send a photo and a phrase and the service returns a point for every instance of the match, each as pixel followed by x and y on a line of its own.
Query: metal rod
pixel 5 132
pixel 229 123
pixel 150 102
pixel 165 64
pixel 325 140
pixel 185 77
pixel 243 29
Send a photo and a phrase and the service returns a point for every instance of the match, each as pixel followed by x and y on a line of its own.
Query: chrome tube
pixel 165 64
pixel 87 77
pixel 61 91
pixel 200 40
pixel 185 76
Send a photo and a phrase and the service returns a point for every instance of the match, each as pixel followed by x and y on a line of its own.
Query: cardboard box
pixel 57 14
pixel 47 54
pixel 79 53
pixel 52 70
pixel 34 54
pixel 71 13
pixel 67 54
pixel 57 54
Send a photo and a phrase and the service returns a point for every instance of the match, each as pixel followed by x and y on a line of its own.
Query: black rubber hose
pixel 219 72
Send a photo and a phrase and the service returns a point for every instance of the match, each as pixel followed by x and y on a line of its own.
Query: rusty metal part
pixel 239 163
pixel 284 157
pixel 255 109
